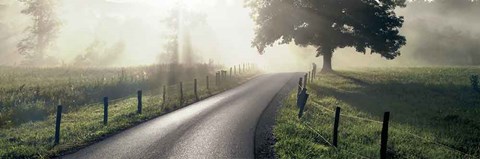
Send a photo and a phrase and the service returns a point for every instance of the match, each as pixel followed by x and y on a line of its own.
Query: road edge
pixel 67 152
pixel 264 139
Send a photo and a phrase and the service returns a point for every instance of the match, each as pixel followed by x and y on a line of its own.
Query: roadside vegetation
pixel 28 120
pixel 434 114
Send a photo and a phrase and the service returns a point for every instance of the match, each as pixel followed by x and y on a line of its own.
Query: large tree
pixel 329 24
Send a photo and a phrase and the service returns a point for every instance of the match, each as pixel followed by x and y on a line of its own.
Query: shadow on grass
pixel 446 110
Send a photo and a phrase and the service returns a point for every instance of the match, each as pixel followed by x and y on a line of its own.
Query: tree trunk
pixel 327 62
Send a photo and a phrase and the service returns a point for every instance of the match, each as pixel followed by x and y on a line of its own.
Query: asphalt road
pixel 222 126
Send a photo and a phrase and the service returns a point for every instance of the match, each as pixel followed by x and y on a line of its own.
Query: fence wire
pixel 307 124
pixel 434 142
pixel 373 121
pixel 380 122
pixel 344 115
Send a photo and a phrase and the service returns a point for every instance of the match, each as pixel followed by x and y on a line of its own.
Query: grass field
pixel 434 114
pixel 82 124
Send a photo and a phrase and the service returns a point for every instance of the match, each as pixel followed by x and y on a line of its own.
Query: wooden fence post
pixel 57 125
pixel 139 105
pixel 220 74
pixel 181 93
pixel 207 83
pixel 314 74
pixel 195 89
pixel 217 82
pixel 225 75
pixel 105 110
pixel 383 144
pixel 302 101
pixel 305 81
pixel 220 79
pixel 164 94
pixel 309 76
pixel 300 86
pixel 335 127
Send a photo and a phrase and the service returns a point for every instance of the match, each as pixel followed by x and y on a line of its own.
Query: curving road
pixel 222 126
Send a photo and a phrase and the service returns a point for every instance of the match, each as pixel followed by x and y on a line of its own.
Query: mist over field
pixel 446 32
pixel 240 78
pixel 130 32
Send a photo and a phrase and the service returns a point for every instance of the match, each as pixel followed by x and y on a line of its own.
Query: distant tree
pixel 113 53
pixel 179 40
pixel 179 47
pixel 98 54
pixel 329 24
pixel 443 32
pixel 42 33
pixel 171 55
pixel 171 46
pixel 187 50
pixel 91 54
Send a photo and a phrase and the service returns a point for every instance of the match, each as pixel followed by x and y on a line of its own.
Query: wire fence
pixel 434 142
pixel 328 112
pixel 307 124
pixel 348 116
pixel 182 92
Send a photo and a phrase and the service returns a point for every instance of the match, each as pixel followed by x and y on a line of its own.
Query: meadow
pixel 29 98
pixel 434 114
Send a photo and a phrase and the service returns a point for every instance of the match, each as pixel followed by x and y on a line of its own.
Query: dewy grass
pixel 434 114
pixel 84 126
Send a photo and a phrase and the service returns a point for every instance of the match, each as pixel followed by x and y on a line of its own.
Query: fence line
pixel 315 131
pixel 363 119
pixel 434 142
pixel 395 129
pixel 302 98
pixel 307 124
pixel 349 116
pixel 299 85
pixel 330 144
pixel 315 104
pixel 223 78
pixel 378 122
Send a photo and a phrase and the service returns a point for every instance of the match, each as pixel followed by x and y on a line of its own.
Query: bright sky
pixel 226 37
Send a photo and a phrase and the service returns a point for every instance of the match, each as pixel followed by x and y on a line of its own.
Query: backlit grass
pixel 84 125
pixel 434 114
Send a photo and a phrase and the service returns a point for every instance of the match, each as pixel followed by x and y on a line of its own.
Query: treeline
pixel 443 32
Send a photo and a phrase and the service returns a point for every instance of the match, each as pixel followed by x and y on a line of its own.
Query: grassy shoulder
pixel 434 114
pixel 84 126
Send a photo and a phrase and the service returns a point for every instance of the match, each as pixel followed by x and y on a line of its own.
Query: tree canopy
pixel 329 24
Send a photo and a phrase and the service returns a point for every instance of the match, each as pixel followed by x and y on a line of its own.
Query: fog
pixel 438 33
pixel 133 32
pixel 446 32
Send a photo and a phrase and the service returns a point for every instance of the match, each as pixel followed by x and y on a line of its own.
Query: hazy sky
pixel 225 37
